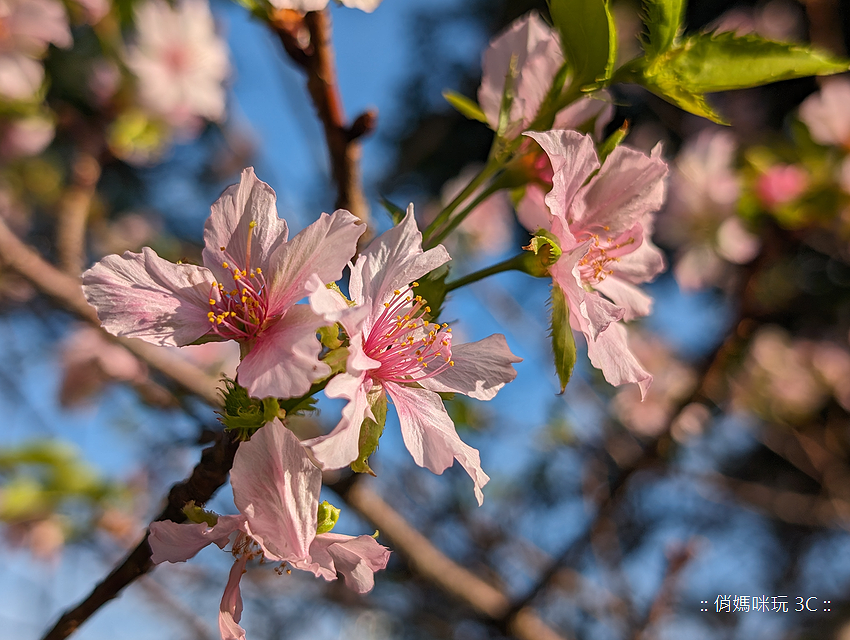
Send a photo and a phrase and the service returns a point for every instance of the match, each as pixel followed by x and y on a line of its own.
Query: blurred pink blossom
pixel 781 20
pixel 24 137
pixel 489 228
pixel 826 112
pixel 180 63
pixel 781 184
pixel 304 6
pixel 700 218
pixel 104 81
pixel 27 27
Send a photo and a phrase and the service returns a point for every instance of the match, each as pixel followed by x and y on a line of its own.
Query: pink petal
pixel 391 261
pixel 230 610
pixel 629 186
pixel 627 296
pixel 341 446
pixel 140 295
pixel 610 353
pixel 252 200
pixel 825 112
pixel 429 434
pixel 356 558
pixel 532 212
pixel 20 76
pixel 324 249
pixel 284 361
pixel 642 264
pixel 329 304
pixel 598 105
pixel 538 59
pixel 573 157
pixel 277 488
pixel 481 369
pixel 173 542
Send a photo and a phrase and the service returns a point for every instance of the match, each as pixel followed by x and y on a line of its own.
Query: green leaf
pixel 395 211
pixel 588 38
pixel 371 430
pixel 710 62
pixel 663 20
pixel 465 106
pixel 563 341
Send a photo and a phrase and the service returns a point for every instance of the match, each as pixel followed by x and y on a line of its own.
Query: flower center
pixel 595 266
pixel 239 312
pixel 408 347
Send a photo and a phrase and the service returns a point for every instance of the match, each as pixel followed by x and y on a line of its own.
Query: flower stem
pixel 489 169
pixel 515 263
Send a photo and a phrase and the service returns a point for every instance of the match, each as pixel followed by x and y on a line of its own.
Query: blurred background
pixel 609 517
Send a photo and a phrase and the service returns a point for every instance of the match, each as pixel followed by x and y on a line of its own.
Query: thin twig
pixel 307 41
pixel 73 213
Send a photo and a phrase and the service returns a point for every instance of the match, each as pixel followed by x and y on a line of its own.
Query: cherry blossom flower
pixel 276 489
pixel 700 217
pixel 24 137
pixel 27 27
pixel 825 113
pixel 246 291
pixel 537 49
pixel 602 217
pixel 303 6
pixel 180 62
pixel 394 350
pixel 781 184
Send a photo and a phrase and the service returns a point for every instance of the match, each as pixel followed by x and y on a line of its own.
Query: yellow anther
pixel 415 284
pixel 212 301
pixel 222 248
pixel 212 319
pixel 234 292
pixel 448 330
pixel 419 359
pixel 451 363
pixel 386 305
pixel 427 309
pixel 396 292
pixel 225 265
pixel 252 224
pixel 236 275
pixel 258 270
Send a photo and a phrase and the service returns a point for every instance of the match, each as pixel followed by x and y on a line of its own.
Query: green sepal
pixel 396 212
pixel 329 336
pixel 242 413
pixel 465 106
pixel 588 38
pixel 612 142
pixel 197 514
pixel 371 430
pixel 563 341
pixel 336 359
pixel 546 250
pixel 326 518
pixel 507 99
pixel 663 20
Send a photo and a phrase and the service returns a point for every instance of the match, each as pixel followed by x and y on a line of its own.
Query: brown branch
pixel 307 40
pixel 430 563
pixel 73 213
pixel 67 293
pixel 209 474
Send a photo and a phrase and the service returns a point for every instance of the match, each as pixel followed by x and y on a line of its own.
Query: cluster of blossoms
pixel 248 290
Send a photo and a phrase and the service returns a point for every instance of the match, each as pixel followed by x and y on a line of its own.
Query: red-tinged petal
pixel 140 295
pixel 391 261
pixel 341 446
pixel 430 437
pixel 356 558
pixel 610 353
pixel 284 361
pixel 230 610
pixel 324 249
pixel 277 488
pixel 229 226
pixel 627 296
pixel 537 51
pixel 480 369
pixel 573 157
pixel 173 542
pixel 628 187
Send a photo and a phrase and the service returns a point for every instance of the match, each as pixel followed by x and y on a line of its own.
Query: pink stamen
pixel 406 345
